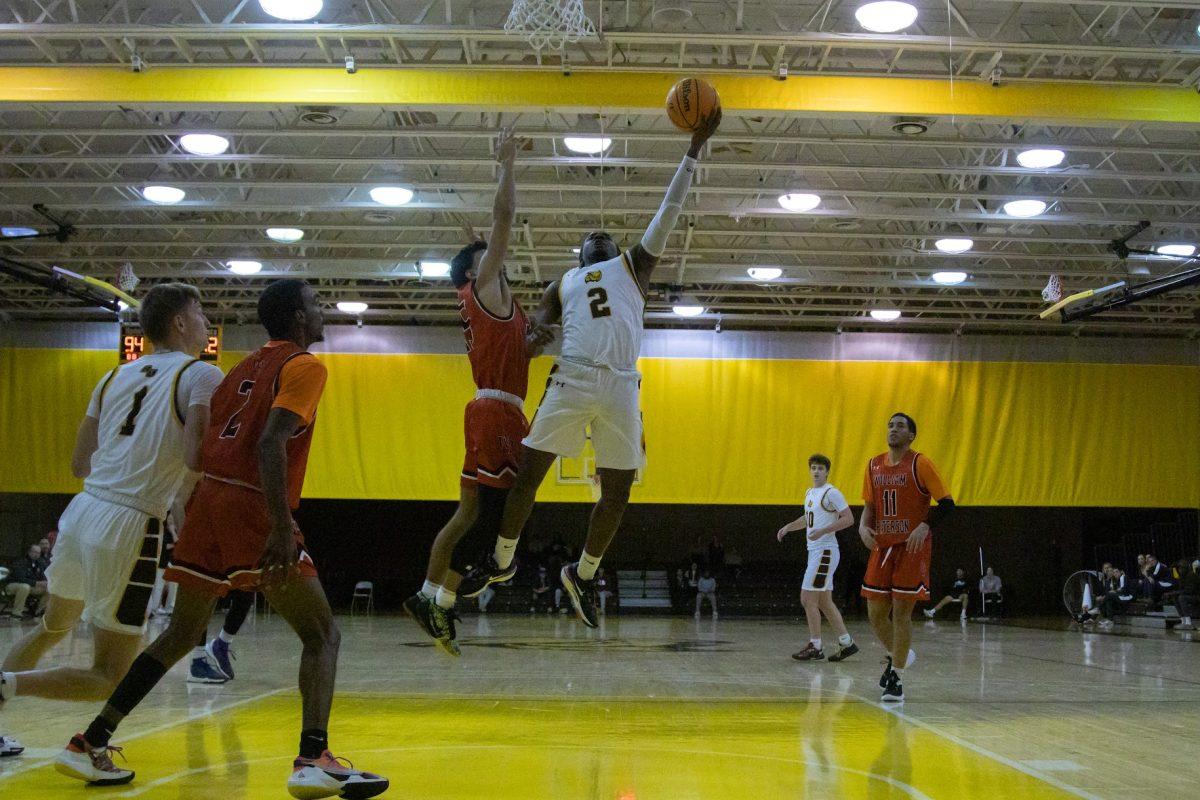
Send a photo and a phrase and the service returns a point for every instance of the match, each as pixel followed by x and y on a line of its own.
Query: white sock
pixel 227 638
pixel 844 640
pixel 429 589
pixel 504 552
pixel 816 642
pixel 8 686
pixel 198 652
pixel 446 598
pixel 588 564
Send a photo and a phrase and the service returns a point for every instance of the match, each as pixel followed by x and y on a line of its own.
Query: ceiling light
pixel 954 245
pixel 352 307
pixel 292 10
pixel 885 314
pixel 391 195
pixel 1184 250
pixel 434 269
pixel 163 195
pixel 588 145
pixel 1040 159
pixel 764 273
pixel 1024 208
pixel 204 144
pixel 688 311
pixel 18 232
pixel 122 305
pixel 575 250
pixel 799 202
pixel 244 267
pixel 888 16
pixel 949 278
pixel 285 235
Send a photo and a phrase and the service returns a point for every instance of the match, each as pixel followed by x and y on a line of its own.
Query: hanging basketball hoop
pixel 1054 290
pixel 127 281
pixel 549 24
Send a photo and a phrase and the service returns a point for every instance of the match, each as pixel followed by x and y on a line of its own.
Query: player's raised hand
pixel 705 131
pixel 507 145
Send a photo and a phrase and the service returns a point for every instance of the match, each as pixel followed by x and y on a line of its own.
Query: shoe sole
pixel 71 772
pixel 228 673
pixel 11 753
pixel 420 623
pixel 207 681
pixel 448 647
pixel 351 791
pixel 892 699
pixel 844 654
pixel 502 577
pixel 573 593
pixel 810 658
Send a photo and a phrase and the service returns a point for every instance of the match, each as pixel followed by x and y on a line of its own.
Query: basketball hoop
pixel 549 24
pixel 1054 290
pixel 126 280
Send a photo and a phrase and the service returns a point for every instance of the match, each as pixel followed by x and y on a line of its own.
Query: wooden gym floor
pixel 661 709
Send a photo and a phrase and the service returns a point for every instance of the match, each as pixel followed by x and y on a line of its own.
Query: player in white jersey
pixel 595 383
pixel 825 513
pixel 136 449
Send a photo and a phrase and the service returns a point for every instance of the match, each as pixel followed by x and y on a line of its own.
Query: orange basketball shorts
pixel 224 533
pixel 493 430
pixel 892 571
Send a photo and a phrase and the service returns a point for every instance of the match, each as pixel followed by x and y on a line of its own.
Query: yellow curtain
pixel 718 431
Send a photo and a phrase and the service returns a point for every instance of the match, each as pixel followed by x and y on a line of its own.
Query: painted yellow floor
pixel 654 709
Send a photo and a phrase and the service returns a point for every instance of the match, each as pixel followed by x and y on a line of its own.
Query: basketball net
pixel 126 280
pixel 549 24
pixel 1054 290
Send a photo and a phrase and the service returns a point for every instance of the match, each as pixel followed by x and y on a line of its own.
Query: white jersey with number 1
pixel 602 311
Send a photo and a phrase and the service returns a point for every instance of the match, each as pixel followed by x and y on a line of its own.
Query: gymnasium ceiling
pixel 886 196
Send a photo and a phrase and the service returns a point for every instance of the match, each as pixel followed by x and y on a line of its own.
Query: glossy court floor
pixel 662 709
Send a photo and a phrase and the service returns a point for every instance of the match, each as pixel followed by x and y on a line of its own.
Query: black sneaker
pixel 844 653
pixel 887 671
pixel 810 653
pixel 582 594
pixel 481 576
pixel 443 620
pixel 420 608
pixel 893 692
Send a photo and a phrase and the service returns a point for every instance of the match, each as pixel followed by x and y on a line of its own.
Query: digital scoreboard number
pixel 134 344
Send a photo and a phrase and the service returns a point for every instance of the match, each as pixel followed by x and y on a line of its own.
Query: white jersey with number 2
pixel 602 311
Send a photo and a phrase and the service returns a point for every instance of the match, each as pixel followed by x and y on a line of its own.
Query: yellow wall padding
pixel 718 431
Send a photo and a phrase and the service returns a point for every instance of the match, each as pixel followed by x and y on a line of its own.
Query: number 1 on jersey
pixel 890 505
pixel 131 420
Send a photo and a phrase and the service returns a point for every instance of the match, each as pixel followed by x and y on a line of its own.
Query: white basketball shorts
pixel 818 575
pixel 106 556
pixel 580 398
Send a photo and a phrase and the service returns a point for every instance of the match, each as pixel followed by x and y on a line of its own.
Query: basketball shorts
pixel 105 557
pixel 494 429
pixel 822 563
pixel 225 530
pixel 580 399
pixel 892 571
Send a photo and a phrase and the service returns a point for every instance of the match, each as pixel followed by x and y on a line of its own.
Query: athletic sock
pixel 199 652
pixel 313 742
pixel 505 550
pixel 844 640
pixel 226 637
pixel 588 564
pixel 816 642
pixel 8 686
pixel 446 598
pixel 429 590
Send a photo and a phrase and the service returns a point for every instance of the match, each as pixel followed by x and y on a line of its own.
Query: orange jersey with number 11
pixel 901 494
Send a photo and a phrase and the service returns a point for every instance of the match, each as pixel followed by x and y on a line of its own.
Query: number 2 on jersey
pixel 234 425
pixel 599 304
pixel 890 506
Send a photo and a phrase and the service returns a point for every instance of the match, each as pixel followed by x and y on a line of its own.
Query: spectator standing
pixel 706 588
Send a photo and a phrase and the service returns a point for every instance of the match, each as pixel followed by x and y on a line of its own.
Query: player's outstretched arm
pixel 490 285
pixel 279 555
pixel 543 324
pixel 87 440
pixel 646 254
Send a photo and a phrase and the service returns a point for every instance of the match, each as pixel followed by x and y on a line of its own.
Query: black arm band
pixel 939 513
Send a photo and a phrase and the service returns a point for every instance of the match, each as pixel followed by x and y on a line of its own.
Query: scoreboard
pixel 134 344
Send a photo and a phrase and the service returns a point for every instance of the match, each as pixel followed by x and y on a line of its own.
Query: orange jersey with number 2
pixel 901 494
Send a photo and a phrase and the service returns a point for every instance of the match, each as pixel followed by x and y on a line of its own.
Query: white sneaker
pixel 10 747
pixel 314 778
pixel 93 766
pixel 928 613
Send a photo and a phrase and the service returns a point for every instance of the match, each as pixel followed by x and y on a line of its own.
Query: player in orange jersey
pixel 895 527
pixel 239 533
pixel 500 343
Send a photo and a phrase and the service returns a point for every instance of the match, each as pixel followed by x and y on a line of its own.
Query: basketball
pixel 689 102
